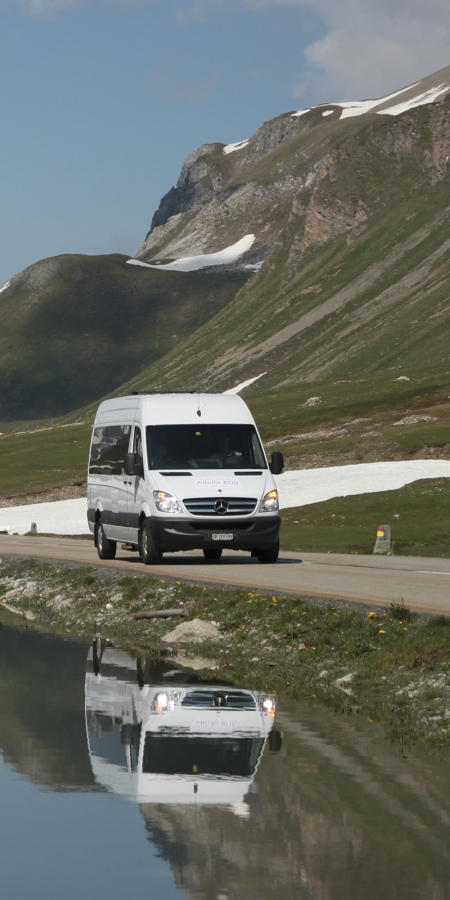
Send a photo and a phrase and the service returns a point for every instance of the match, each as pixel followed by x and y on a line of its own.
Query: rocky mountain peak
pixel 255 186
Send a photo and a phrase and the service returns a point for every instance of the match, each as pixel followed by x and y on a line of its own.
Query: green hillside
pixel 73 328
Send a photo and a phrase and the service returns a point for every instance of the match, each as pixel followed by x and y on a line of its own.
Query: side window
pixel 137 445
pixel 109 445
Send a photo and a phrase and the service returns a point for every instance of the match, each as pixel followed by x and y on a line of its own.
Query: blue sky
pixel 102 101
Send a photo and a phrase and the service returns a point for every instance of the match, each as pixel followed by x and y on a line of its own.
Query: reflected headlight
pixel 164 701
pixel 269 503
pixel 166 503
pixel 269 705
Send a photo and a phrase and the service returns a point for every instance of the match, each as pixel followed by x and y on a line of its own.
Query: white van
pixel 172 472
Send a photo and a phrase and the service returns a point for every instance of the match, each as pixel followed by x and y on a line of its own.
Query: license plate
pixel 222 537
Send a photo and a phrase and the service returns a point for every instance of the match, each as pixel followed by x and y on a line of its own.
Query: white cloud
pixel 191 92
pixel 194 13
pixel 44 7
pixel 368 49
pixel 388 47
pixel 371 46
pixel 47 7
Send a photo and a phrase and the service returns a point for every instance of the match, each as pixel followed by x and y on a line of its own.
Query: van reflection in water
pixel 162 735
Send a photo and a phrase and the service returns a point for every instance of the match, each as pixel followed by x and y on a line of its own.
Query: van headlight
pixel 164 701
pixel 269 503
pixel 166 503
pixel 269 705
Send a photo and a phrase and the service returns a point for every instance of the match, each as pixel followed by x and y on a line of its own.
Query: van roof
pixel 177 409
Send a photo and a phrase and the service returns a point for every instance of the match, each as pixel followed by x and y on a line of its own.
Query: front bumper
pixel 256 533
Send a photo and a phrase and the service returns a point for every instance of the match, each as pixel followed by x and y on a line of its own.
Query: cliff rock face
pixel 215 203
pixel 285 169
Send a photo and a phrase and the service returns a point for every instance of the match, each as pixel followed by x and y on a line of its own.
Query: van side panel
pixel 107 481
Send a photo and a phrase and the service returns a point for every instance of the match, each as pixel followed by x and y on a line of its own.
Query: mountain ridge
pixel 75 327
pixel 222 182
pixel 375 214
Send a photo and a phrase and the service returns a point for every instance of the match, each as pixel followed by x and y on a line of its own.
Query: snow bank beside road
pixel 59 517
pixel 297 488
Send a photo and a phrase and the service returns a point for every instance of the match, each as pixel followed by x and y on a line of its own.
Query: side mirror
pixel 130 464
pixel 276 464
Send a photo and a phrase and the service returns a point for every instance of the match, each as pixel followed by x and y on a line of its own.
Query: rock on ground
pixel 193 632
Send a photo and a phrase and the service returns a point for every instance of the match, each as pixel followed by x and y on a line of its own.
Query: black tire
pixel 270 554
pixel 148 550
pixel 97 653
pixel 126 734
pixel 106 549
pixel 143 670
pixel 275 741
pixel 212 553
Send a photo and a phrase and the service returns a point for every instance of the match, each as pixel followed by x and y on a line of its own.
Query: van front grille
pixel 219 698
pixel 220 506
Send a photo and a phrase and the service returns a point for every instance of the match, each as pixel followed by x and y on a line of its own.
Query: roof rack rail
pixel 151 393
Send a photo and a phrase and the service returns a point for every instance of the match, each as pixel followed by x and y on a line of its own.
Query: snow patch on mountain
pixel 350 108
pixel 224 257
pixel 422 99
pixel 5 287
pixel 355 107
pixel 240 387
pixel 231 148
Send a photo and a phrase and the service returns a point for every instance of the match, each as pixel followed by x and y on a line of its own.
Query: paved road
pixel 423 583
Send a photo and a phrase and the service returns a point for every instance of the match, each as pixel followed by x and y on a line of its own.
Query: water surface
pixel 123 778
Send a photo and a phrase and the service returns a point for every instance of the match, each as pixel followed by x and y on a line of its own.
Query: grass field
pixel 377 399
pixel 35 461
pixel 419 515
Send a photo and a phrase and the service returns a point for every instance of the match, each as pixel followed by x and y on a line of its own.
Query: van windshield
pixel 204 447
pixel 170 755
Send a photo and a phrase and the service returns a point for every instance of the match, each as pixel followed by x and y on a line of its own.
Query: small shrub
pixel 400 612
pixel 131 589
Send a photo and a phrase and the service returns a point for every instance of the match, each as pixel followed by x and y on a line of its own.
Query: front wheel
pixel 212 553
pixel 106 549
pixel 269 555
pixel 150 554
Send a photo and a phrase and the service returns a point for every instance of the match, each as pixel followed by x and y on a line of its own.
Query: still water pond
pixel 121 778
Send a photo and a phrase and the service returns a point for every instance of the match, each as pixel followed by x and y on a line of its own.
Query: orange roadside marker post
pixel 383 543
